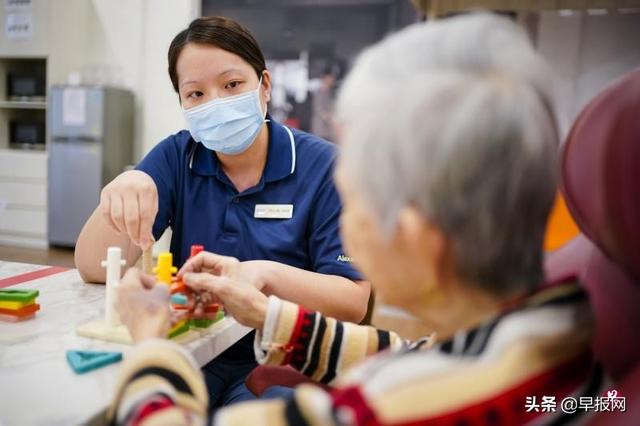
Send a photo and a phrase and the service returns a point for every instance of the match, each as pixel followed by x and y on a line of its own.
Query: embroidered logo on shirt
pixel 343 258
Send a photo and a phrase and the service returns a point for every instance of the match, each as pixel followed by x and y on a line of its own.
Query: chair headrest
pixel 601 172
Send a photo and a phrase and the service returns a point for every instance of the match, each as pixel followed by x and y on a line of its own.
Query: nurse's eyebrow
pixel 188 82
pixel 230 70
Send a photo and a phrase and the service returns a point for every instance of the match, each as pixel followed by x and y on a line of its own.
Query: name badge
pixel 273 211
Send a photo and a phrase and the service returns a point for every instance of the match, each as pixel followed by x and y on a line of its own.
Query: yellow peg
pixel 165 268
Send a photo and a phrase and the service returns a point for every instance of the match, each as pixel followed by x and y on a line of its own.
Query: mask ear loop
pixel 264 118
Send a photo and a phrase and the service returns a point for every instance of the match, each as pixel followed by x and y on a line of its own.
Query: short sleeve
pixel 325 244
pixel 162 164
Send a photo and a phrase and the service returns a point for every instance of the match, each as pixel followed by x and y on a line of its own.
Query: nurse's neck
pixel 245 170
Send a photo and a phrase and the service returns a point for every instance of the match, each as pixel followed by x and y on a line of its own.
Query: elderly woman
pixel 447 174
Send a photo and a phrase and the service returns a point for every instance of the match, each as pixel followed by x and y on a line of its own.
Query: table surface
pixel 37 386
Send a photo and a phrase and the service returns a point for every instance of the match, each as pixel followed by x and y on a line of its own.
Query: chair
pixel 600 168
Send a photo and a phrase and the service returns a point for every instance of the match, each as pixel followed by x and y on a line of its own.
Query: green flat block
pixel 206 322
pixel 23 296
pixel 178 331
pixel 200 323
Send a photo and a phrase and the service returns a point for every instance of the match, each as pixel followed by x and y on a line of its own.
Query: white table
pixel 37 386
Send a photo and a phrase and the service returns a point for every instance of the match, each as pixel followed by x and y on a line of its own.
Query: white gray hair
pixel 455 118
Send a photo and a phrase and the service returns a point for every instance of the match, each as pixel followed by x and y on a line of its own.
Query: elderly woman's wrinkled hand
pixel 221 278
pixel 143 306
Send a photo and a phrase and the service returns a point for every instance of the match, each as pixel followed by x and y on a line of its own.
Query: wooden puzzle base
pixel 119 334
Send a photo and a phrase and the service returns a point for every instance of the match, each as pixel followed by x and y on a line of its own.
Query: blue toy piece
pixel 179 299
pixel 83 361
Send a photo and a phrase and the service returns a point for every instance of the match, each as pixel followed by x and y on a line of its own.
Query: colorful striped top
pixel 513 369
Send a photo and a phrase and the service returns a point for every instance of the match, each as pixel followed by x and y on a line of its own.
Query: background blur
pixel 309 45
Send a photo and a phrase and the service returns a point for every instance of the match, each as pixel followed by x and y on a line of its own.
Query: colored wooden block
pixel 178 287
pixel 179 328
pixel 201 322
pixel 84 361
pixel 179 299
pixel 21 312
pixel 14 318
pixel 165 268
pixel 212 308
pixel 195 249
pixel 101 330
pixel 15 305
pixel 15 295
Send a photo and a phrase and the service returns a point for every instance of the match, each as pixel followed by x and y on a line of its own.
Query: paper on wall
pixel 74 102
pixel 17 5
pixel 18 26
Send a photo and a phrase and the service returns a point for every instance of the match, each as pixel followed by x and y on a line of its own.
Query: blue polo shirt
pixel 201 205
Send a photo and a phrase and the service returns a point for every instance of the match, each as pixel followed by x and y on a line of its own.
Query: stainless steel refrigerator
pixel 91 131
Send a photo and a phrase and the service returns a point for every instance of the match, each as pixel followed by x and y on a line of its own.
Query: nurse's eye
pixel 233 84
pixel 194 95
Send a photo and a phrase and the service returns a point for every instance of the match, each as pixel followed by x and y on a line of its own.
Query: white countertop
pixel 37 386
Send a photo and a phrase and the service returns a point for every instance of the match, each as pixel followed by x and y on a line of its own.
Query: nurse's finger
pixel 148 202
pixel 117 212
pixel 210 262
pixel 105 209
pixel 131 216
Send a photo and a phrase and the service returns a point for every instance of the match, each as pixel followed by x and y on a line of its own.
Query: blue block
pixel 179 299
pixel 83 361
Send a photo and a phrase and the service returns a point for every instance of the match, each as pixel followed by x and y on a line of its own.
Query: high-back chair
pixel 600 167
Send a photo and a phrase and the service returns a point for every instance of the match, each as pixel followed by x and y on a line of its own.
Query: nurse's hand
pixel 223 278
pixel 143 306
pixel 129 204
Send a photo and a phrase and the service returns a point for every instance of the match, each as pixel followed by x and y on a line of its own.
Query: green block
pixel 206 322
pixel 178 331
pixel 200 323
pixel 23 296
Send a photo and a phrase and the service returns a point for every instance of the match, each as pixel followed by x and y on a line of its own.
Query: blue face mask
pixel 227 125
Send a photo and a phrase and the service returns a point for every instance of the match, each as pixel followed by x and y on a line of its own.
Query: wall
pixel 127 39
pixel 586 52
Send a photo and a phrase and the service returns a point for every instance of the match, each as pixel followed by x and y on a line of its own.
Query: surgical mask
pixel 227 125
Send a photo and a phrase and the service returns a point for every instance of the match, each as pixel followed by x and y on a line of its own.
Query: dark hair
pixel 221 32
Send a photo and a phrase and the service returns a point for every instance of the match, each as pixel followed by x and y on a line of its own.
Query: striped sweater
pixel 537 351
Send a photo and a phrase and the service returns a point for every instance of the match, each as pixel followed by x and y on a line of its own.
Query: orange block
pixel 14 318
pixel 178 286
pixel 21 312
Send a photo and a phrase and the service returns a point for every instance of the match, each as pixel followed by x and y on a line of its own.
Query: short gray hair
pixel 455 117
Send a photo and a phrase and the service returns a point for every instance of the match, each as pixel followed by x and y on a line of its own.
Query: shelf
pixel 23 105
pixel 435 8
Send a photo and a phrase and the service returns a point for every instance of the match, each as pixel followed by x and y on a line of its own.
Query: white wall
pixel 586 53
pixel 129 39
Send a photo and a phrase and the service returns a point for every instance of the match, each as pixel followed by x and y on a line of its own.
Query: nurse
pixel 238 183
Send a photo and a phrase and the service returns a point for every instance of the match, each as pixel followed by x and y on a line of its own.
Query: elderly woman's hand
pixel 143 306
pixel 223 278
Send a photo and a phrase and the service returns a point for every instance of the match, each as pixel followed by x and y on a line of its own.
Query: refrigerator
pixel 91 142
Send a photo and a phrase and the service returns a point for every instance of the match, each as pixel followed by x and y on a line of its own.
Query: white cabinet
pixel 23 198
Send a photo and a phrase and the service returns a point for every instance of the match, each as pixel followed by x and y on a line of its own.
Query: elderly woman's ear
pixel 423 239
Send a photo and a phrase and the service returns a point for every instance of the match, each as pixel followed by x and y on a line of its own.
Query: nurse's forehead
pixel 197 61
